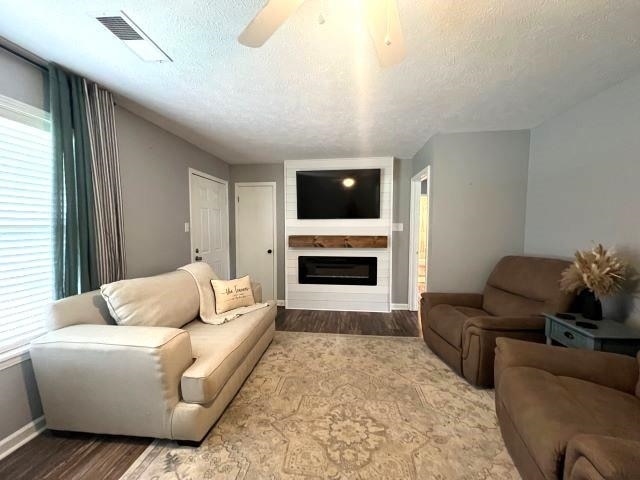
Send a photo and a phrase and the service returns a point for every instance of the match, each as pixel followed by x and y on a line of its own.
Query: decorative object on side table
pixel 606 335
pixel 595 274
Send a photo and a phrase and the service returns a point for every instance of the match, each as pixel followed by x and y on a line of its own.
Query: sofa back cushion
pixel 167 300
pixel 526 286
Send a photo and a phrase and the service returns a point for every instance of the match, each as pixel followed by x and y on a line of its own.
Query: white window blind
pixel 26 260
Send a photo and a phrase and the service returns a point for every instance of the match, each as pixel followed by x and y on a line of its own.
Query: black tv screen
pixel 324 194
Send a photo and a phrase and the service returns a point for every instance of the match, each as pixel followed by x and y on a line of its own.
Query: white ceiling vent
pixel 133 37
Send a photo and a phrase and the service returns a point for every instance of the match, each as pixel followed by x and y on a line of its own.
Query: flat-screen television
pixel 324 194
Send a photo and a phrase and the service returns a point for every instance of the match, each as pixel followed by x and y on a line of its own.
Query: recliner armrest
pixel 111 379
pixel 528 322
pixel 472 300
pixel 591 457
pixel 608 369
pixel 479 336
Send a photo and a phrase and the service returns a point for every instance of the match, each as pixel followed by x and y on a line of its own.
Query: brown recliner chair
pixel 462 328
pixel 568 414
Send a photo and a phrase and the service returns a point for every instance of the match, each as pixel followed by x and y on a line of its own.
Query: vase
pixel 591 305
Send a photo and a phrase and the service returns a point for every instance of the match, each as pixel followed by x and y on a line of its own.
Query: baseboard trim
pixel 17 439
pixel 399 306
pixel 394 306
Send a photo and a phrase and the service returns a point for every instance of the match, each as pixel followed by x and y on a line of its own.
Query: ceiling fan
pixel 381 16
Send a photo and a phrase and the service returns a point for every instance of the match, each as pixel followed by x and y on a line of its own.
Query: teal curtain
pixel 75 256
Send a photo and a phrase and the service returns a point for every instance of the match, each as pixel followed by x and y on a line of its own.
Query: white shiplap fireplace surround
pixel 339 297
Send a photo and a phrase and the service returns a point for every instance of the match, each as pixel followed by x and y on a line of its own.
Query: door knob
pixel 198 259
pixel 269 251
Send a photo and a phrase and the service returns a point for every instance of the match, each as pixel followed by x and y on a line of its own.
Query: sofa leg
pixel 190 443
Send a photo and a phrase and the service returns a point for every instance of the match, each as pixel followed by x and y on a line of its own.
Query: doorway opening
pixel 419 236
pixel 423 238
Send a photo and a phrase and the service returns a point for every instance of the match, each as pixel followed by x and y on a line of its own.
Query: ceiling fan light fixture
pixel 382 18
pixel 267 21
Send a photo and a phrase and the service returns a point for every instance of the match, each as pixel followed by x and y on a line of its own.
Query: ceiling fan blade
pixel 383 21
pixel 267 21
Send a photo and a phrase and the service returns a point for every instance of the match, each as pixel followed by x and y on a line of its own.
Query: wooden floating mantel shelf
pixel 337 241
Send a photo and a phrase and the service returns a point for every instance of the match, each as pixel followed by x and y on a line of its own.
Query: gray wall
pixel 19 398
pixel 155 193
pixel 583 182
pixel 402 173
pixel 22 81
pixel 260 173
pixel 478 202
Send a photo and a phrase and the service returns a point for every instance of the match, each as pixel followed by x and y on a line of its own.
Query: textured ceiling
pixel 316 91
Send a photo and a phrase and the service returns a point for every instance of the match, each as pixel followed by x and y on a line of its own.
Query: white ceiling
pixel 316 91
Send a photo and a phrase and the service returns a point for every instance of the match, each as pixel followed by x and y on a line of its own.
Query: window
pixel 26 253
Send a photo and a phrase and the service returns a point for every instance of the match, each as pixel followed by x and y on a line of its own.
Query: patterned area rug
pixel 344 407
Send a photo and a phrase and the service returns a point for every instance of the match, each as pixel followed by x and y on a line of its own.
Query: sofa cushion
pixel 167 300
pixel 526 286
pixel 219 349
pixel 448 321
pixel 547 411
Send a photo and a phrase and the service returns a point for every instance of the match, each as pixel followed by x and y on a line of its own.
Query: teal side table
pixel 609 336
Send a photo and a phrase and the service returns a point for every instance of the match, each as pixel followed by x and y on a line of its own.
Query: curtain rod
pixel 25 58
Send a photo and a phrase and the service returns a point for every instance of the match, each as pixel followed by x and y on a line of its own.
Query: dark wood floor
pixel 83 456
pixel 73 456
pixel 399 323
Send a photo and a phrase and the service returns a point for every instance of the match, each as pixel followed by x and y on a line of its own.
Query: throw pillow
pixel 231 294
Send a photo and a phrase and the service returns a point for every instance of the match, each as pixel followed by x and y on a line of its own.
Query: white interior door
pixel 210 222
pixel 256 234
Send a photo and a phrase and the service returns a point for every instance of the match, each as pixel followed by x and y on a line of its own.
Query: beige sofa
pixel 96 376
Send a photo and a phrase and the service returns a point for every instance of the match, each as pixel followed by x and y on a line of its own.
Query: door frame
pixel 275 225
pixel 414 234
pixel 193 171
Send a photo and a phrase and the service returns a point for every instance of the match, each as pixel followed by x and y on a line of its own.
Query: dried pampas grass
pixel 600 270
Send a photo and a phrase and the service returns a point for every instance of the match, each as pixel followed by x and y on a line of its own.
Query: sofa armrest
pixel 608 369
pixel 111 379
pixel 479 337
pixel 256 289
pixel 591 457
